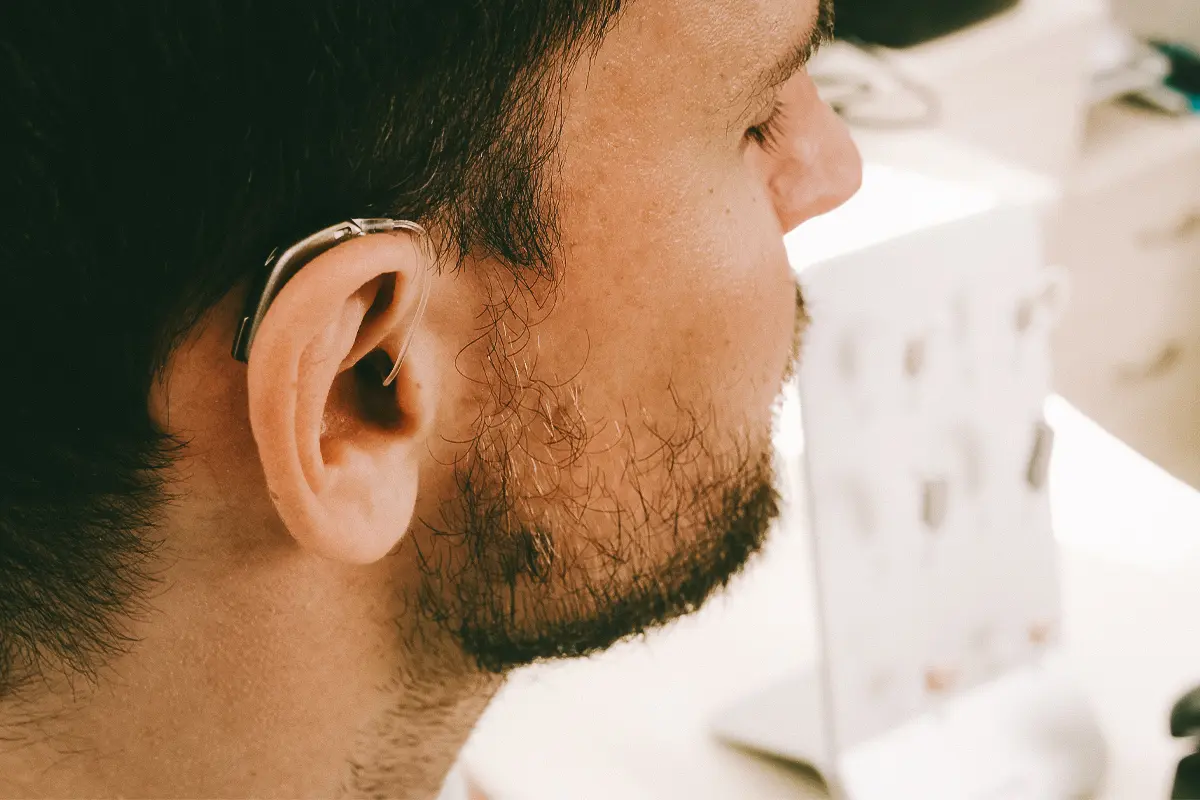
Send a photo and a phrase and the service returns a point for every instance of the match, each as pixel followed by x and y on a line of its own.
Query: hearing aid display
pixel 948 599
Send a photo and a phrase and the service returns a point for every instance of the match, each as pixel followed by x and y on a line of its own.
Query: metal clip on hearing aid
pixel 282 266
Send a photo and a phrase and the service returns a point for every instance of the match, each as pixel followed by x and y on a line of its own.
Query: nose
pixel 817 167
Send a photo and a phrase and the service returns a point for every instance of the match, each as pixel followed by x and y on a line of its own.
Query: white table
pixel 634 723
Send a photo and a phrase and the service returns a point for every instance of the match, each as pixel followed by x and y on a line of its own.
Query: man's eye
pixel 766 133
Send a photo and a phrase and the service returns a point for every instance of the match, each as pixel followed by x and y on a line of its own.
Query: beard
pixel 567 535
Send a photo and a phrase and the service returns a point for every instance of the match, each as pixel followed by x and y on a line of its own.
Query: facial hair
pixel 542 554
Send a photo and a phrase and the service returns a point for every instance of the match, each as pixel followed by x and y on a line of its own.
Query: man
pixel 293 573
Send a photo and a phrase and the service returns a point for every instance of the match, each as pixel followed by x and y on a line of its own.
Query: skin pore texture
pixel 348 571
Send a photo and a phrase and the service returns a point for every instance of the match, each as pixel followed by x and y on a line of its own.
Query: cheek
pixel 693 295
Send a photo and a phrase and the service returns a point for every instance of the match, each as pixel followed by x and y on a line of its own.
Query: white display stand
pixel 1027 735
pixel 925 461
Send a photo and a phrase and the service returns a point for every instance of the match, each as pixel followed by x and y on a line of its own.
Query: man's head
pixel 283 575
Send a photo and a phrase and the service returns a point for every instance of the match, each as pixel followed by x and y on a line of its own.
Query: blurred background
pixel 1102 98
pixel 1043 158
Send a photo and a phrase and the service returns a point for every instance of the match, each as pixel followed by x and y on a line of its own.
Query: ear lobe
pixel 340 452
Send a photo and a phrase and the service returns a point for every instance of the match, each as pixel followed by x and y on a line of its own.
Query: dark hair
pixel 151 156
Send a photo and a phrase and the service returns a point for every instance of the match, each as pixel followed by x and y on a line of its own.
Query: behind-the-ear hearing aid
pixel 282 266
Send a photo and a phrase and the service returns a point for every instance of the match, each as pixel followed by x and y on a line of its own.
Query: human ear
pixel 339 450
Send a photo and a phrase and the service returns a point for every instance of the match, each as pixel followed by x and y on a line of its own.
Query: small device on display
pixel 1185 724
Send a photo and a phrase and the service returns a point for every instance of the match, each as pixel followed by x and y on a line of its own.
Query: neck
pixel 257 670
pixel 262 678
pixel 53 748
pixel 413 741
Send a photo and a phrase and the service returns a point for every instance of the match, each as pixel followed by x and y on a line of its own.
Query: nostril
pixel 822 171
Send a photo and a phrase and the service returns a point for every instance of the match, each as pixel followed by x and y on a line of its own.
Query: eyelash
pixel 766 133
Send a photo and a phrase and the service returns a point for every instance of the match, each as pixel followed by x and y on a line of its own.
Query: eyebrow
pixel 818 35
